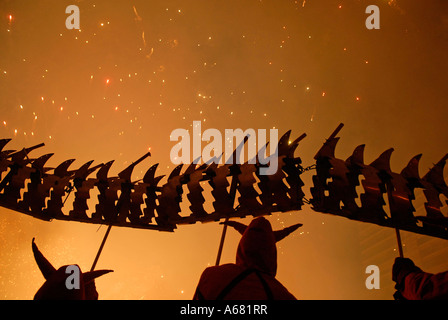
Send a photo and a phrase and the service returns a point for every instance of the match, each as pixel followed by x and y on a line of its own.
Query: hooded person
pixel 252 277
pixel 56 286
pixel 412 283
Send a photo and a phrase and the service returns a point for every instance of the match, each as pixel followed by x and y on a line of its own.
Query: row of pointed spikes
pixel 285 148
pixel 382 163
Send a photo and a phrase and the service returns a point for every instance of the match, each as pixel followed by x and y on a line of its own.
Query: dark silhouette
pixel 252 277
pixel 412 283
pixel 55 287
pixel 155 204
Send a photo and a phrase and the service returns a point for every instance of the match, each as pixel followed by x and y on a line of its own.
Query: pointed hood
pixel 44 265
pixel 55 288
pixel 257 247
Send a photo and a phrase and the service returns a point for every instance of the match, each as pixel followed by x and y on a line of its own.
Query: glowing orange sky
pixel 138 70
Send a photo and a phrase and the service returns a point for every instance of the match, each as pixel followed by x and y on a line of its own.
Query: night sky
pixel 136 70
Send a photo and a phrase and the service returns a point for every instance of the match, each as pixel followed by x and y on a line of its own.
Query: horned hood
pixel 54 288
pixel 257 247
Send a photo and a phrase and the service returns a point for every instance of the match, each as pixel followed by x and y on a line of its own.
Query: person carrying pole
pixel 412 283
pixel 252 277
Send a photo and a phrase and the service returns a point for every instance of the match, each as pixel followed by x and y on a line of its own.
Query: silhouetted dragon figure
pixel 29 187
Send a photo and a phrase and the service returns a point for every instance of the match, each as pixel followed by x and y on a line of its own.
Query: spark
pixel 143 39
pixel 137 17
pixel 393 4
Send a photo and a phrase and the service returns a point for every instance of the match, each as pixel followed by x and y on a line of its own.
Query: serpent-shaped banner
pixel 27 186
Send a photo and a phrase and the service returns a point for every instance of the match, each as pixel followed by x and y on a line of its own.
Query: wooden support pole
pixel 400 246
pixel 101 247
pixel 224 229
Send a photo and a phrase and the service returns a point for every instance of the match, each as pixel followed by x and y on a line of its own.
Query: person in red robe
pixel 252 277
pixel 412 283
